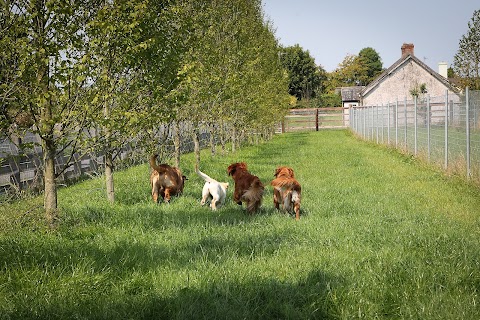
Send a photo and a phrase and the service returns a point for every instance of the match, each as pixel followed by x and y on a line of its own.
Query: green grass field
pixel 381 236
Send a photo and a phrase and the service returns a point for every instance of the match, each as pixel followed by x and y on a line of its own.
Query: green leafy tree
pixel 305 76
pixel 44 84
pixel 370 59
pixel 134 55
pixel 466 63
pixel 227 73
pixel 114 39
pixel 355 70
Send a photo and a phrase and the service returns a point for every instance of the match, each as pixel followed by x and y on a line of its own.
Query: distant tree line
pixel 312 86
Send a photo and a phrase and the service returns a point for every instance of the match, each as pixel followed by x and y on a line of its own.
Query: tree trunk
pixel 50 188
pixel 109 177
pixel 176 143
pixel 108 156
pixel 234 138
pixel 46 122
pixel 223 138
pixel 212 140
pixel 196 143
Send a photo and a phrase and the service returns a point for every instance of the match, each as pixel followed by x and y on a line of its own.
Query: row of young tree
pixel 119 69
pixel 312 86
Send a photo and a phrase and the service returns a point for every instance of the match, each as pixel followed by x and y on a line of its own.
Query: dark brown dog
pixel 286 190
pixel 165 180
pixel 248 188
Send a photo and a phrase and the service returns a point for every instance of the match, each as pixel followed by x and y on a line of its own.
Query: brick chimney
pixel 407 49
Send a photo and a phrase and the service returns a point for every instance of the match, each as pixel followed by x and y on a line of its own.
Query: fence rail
pixel 444 130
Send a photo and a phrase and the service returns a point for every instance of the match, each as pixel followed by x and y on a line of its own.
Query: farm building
pixel 351 96
pixel 406 76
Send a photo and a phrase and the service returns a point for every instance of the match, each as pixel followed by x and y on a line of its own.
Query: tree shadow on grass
pixel 117 281
pixel 260 299
pixel 313 297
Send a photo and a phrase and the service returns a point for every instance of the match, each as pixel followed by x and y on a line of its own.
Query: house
pixel 408 76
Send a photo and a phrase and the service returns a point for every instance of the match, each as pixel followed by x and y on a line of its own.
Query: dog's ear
pixel 232 168
pixel 277 171
pixel 290 170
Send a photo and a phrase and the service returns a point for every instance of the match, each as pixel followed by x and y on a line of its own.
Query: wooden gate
pixel 314 119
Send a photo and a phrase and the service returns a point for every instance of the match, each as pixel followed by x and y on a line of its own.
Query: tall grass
pixel 381 236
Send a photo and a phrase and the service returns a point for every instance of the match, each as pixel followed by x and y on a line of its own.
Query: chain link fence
pixel 444 130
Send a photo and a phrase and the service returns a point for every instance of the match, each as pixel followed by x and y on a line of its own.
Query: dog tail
pixel 203 175
pixel 154 165
pixel 254 195
pixel 286 183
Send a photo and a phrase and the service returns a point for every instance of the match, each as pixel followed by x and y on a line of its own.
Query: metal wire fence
pixel 22 170
pixel 444 130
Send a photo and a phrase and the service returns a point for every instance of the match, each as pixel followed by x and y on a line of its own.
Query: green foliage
pixel 119 69
pixel 450 73
pixel 369 58
pixel 418 90
pixel 355 70
pixel 304 75
pixel 381 236
pixel 330 100
pixel 44 78
pixel 467 59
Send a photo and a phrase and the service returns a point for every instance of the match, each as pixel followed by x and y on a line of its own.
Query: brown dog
pixel 166 181
pixel 286 190
pixel 248 188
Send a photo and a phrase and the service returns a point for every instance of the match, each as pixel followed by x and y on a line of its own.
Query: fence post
pixel 405 116
pixel 316 119
pixel 388 123
pixel 383 119
pixel 467 119
pixel 446 129
pixel 370 124
pixel 428 127
pixel 365 122
pixel 415 119
pixel 396 124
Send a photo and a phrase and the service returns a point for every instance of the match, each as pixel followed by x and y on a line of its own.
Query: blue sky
pixel 330 30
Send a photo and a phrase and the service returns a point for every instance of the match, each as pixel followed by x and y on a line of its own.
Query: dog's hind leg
pixel 155 193
pixel 296 208
pixel 276 199
pixel 213 204
pixel 287 201
pixel 167 195
pixel 296 204
pixel 205 195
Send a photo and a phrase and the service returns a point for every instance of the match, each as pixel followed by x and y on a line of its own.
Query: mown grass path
pixel 381 236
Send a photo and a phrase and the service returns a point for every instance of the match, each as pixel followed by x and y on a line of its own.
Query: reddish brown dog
pixel 248 188
pixel 286 190
pixel 165 180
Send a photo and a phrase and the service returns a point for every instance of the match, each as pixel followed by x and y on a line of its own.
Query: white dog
pixel 217 190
